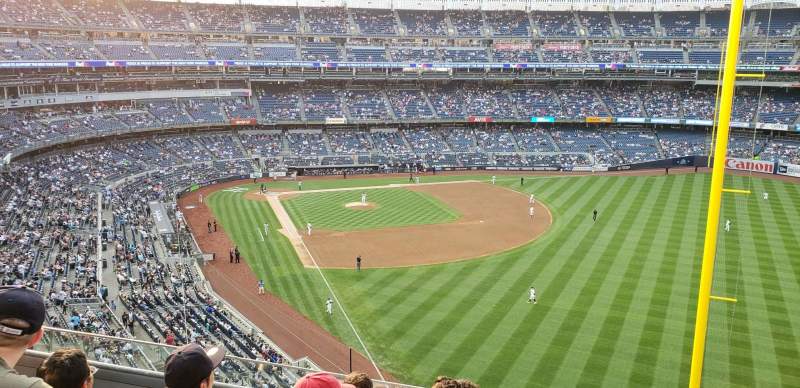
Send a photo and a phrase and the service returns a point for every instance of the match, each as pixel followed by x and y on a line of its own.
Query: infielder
pixel 261 287
pixel 531 200
pixel 727 225
pixel 766 195
pixel 530 212
pixel 308 227
pixel 363 198
pixel 532 295
pixel 329 306
pixel 494 178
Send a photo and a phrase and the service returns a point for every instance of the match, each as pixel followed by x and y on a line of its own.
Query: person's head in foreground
pixel 358 379
pixel 67 368
pixel 320 380
pixel 22 314
pixel 191 366
pixel 449 382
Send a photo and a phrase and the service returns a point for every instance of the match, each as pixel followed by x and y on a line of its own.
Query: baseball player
pixel 532 295
pixel 363 198
pixel 329 306
pixel 531 200
pixel 201 198
pixel 494 178
pixel 261 287
pixel 728 225
pixel 594 215
pixel 266 229
pixel 766 195
pixel 416 178
pixel 300 185
pixel 530 212
pixel 308 227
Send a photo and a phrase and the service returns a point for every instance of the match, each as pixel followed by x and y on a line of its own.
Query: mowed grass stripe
pixel 552 280
pixel 657 356
pixel 468 343
pixel 610 337
pixel 771 315
pixel 781 325
pixel 549 364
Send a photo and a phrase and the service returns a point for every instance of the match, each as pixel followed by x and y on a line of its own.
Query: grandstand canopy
pixel 549 5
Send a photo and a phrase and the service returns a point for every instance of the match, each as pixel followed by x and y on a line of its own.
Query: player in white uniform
pixel 266 229
pixel 329 306
pixel 727 225
pixel 530 211
pixel 416 178
pixel 494 178
pixel 363 198
pixel 531 200
pixel 532 295
pixel 766 195
pixel 308 228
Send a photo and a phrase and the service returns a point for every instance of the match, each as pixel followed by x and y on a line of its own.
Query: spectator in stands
pixel 447 382
pixel 67 368
pixel 22 314
pixel 358 379
pixel 191 366
pixel 320 380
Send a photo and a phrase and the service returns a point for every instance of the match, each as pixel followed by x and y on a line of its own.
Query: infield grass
pixel 393 208
pixel 617 296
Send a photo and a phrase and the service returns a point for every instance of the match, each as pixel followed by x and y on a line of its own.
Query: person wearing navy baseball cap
pixel 22 314
pixel 191 366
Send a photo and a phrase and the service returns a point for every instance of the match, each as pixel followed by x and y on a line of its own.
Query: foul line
pixel 346 317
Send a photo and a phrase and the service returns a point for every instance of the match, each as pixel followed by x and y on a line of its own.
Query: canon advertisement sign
pixel 750 165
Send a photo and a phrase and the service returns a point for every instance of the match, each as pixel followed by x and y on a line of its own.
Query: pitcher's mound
pixel 360 206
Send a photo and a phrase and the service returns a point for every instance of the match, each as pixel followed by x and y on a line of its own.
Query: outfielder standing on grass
pixel 363 198
pixel 594 215
pixel 266 230
pixel 494 178
pixel 532 295
pixel 329 306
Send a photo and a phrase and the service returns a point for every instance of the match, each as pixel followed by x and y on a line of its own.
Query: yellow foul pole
pixel 717 179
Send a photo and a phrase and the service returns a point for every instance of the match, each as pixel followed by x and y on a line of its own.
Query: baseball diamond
pixel 615 296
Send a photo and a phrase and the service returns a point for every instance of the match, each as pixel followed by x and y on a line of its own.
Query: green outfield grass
pixel 617 296
pixel 394 208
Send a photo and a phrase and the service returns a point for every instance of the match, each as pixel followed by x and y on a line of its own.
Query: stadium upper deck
pixel 150 16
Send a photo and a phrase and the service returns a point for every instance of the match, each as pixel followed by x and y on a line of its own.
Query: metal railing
pixel 145 357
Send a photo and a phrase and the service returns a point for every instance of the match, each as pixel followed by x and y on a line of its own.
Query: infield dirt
pixel 493 219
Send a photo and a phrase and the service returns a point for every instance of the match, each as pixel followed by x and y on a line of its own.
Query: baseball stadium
pixel 395 193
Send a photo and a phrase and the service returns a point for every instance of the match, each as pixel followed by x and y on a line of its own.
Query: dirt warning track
pixel 493 219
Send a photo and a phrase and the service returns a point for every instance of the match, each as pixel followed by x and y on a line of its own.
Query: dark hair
pixel 65 368
pixel 359 379
pixel 449 382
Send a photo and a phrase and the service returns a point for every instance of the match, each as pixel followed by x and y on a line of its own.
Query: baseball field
pixel 616 295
